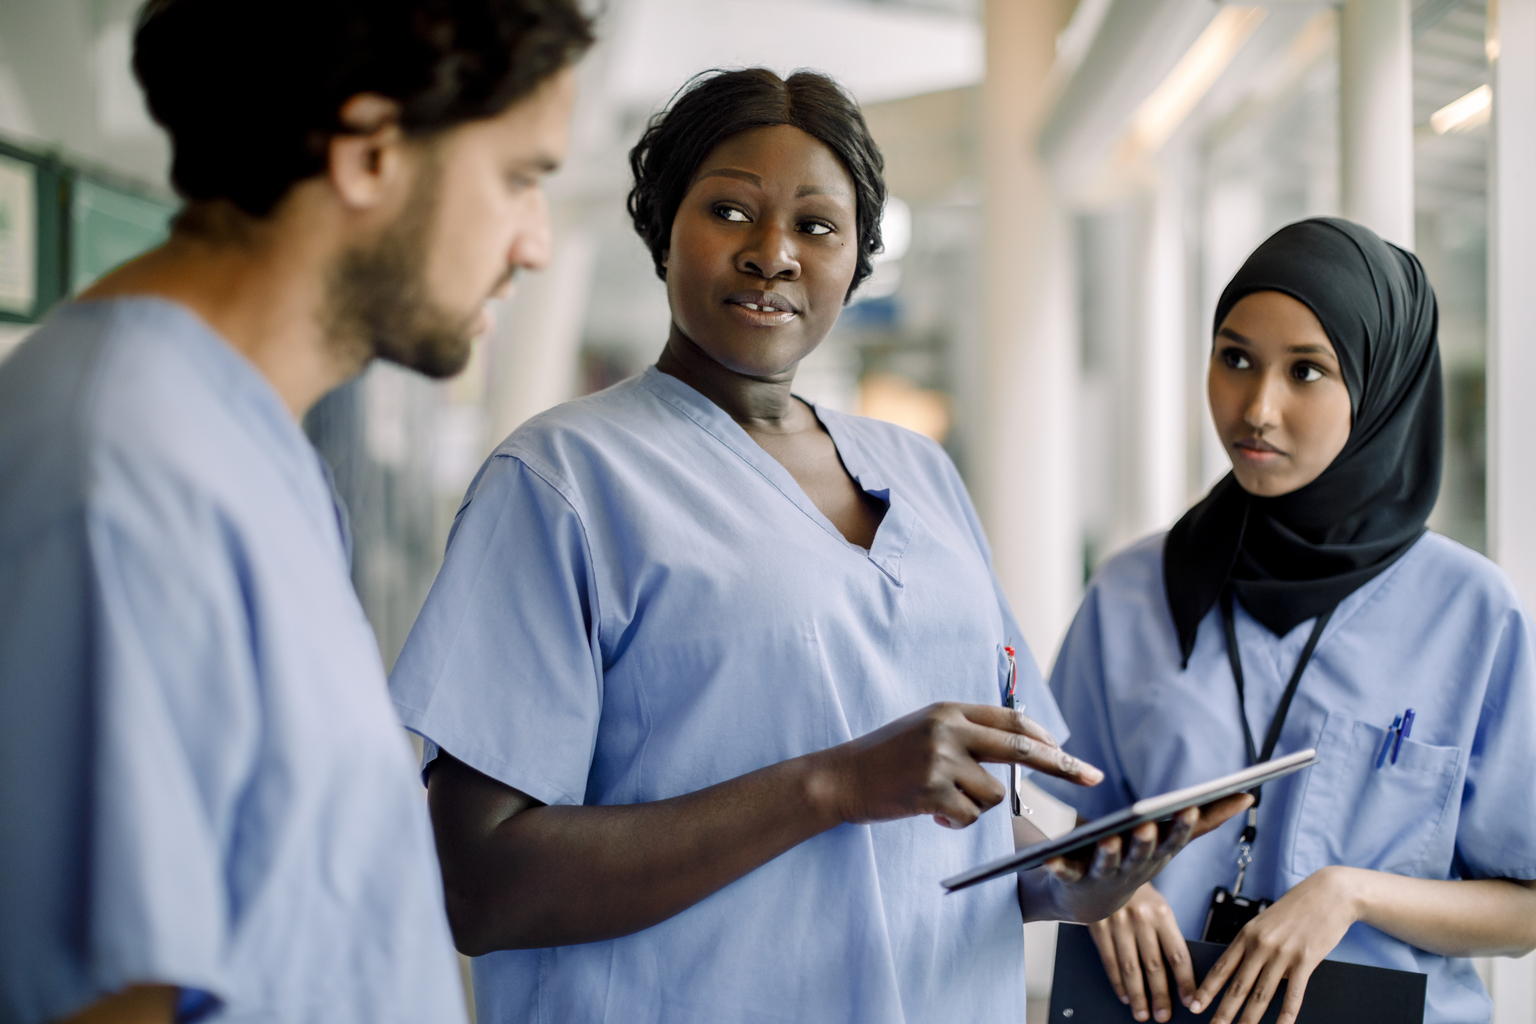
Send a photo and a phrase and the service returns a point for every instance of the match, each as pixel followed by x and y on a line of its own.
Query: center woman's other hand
pixel 930 762
pixel 1092 890
pixel 1136 942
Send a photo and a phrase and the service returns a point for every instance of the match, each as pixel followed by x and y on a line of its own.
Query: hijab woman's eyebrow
pixel 820 190
pixel 1227 332
pixel 1318 350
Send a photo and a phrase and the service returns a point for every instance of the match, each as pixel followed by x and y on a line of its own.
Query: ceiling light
pixel 1470 111
pixel 1186 85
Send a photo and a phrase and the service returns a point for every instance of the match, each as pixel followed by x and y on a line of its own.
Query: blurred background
pixel 1072 182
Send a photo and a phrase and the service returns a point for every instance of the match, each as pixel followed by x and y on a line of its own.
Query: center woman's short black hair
pixel 719 104
pixel 251 90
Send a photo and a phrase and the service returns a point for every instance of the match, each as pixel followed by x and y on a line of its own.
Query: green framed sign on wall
pixel 62 227
pixel 31 236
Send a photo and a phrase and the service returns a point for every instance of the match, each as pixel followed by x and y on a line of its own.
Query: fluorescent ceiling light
pixel 1470 111
pixel 1192 77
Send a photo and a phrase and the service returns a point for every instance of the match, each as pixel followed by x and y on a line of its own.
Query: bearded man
pixel 210 810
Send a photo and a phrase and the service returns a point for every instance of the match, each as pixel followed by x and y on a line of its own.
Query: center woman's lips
pixel 762 308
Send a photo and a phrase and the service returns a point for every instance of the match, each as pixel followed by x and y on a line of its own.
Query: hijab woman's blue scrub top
pixel 1441 631
pixel 202 783
pixel 639 602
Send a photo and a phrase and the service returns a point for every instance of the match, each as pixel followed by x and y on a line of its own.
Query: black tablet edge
pixel 1113 824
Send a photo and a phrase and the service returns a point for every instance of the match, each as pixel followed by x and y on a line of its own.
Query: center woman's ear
pixel 666 256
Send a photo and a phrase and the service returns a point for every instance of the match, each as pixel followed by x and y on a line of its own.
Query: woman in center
pixel 712 680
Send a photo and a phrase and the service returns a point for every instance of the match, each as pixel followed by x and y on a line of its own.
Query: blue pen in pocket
pixel 1402 733
pixel 1402 725
pixel 1386 748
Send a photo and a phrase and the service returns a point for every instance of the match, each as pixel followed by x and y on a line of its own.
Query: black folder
pixel 1337 993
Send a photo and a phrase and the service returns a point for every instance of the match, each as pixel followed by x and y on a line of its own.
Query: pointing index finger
pixel 1027 743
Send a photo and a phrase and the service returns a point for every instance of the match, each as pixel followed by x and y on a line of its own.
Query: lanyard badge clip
pixel 1229 909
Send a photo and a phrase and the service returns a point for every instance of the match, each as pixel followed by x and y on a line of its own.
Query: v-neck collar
pixel 895 530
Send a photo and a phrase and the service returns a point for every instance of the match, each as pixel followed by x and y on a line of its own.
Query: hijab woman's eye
pixel 731 213
pixel 1235 358
pixel 1306 373
pixel 816 227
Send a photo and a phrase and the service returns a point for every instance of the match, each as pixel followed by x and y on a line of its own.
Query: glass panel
pixel 109 227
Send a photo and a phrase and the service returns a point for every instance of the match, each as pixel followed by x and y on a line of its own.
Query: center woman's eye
pixel 1235 358
pixel 732 214
pixel 816 227
pixel 1306 372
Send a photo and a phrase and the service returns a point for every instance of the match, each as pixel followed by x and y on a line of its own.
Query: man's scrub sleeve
pixel 1496 834
pixel 501 669
pixel 140 727
pixel 1078 685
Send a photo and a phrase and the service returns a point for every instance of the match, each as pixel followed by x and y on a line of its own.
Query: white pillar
pixel 1512 360
pixel 1024 473
pixel 536 345
pixel 1161 442
pixel 1376 116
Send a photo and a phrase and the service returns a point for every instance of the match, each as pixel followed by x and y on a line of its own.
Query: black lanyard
pixel 1272 737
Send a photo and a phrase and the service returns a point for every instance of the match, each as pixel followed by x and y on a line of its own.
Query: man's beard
pixel 378 303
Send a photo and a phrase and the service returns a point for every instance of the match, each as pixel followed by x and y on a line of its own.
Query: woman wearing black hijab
pixel 1304 603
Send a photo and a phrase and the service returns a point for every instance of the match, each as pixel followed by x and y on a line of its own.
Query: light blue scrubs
pixel 1442 631
pixel 202 782
pixel 639 602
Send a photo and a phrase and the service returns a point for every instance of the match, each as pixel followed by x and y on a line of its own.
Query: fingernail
pixel 1126 1000
pixel 1162 1014
pixel 1194 1007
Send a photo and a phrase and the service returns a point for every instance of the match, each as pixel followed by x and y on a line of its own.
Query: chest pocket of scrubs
pixel 1395 818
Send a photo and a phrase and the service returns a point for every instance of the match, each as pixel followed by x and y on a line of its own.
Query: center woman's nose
pixel 770 252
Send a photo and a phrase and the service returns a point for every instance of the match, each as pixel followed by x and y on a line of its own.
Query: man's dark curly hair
pixel 716 105
pixel 251 90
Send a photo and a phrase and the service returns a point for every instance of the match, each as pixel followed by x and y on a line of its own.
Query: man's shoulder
pixel 128 390
pixel 111 369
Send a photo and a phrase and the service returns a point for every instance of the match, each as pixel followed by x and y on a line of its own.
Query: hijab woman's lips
pixel 1257 450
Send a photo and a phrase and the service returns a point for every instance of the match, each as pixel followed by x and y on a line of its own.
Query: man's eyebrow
pixel 731 172
pixel 538 163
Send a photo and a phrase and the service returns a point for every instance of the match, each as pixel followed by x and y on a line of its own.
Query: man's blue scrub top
pixel 1442 631
pixel 639 602
pixel 202 783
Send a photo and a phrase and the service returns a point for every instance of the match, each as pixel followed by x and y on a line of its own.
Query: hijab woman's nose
pixel 1262 411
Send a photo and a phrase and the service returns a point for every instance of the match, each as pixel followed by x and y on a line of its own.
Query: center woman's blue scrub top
pixel 1441 631
pixel 639 602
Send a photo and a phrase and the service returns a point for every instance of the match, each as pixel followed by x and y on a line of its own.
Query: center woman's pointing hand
pixel 930 762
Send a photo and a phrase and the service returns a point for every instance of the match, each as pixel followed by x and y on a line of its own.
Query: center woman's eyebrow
pixel 731 172
pixel 753 179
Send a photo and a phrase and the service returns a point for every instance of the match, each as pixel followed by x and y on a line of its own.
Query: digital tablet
pixel 1154 808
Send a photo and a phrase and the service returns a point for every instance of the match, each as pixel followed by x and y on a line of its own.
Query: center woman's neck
pixel 758 403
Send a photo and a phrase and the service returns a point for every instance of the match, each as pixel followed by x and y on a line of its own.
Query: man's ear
pixel 367 163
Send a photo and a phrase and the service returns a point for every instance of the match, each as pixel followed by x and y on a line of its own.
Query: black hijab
pixel 1295 556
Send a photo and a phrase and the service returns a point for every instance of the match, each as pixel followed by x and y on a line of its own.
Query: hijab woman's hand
pixel 1139 944
pixel 1285 943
